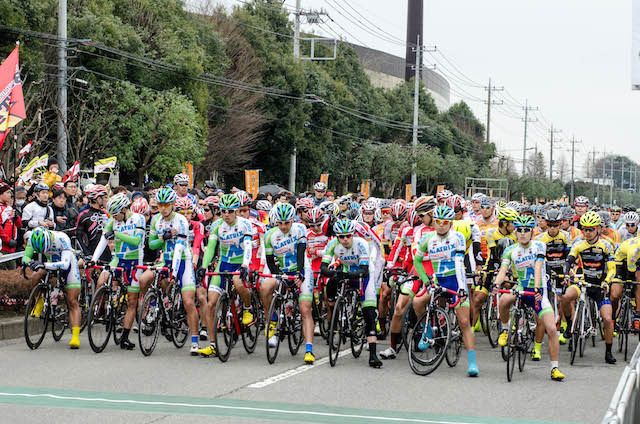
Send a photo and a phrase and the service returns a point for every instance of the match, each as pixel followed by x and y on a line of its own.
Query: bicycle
pixel 432 337
pixel 46 303
pixel 625 317
pixel 347 320
pixel 319 306
pixel 582 326
pixel 393 277
pixel 521 331
pixel 227 328
pixel 159 313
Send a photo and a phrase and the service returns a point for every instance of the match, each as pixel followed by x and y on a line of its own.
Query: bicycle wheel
pixel 336 331
pixel 223 327
pixel 84 301
pixel 455 341
pixel 492 321
pixel 512 344
pixel 179 325
pixel 524 343
pixel 320 313
pixel 428 341
pixel 622 316
pixel 118 316
pixel 593 316
pixel 149 322
pixel 356 322
pixel 59 317
pixel 627 332
pixel 100 319
pixel 275 320
pixel 409 319
pixel 576 333
pixel 294 324
pixel 36 316
pixel 251 332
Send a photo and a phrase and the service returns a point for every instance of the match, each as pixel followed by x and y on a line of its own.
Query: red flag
pixel 11 99
pixel 26 149
pixel 72 173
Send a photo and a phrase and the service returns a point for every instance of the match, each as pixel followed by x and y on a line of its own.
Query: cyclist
pixel 445 248
pixel 597 259
pixel 211 211
pixel 615 217
pixel 608 233
pixel 318 236
pixel 169 232
pixel 319 190
pixel 527 260
pixel 565 225
pixel 475 214
pixel 234 235
pixel 353 254
pixel 287 243
pixel 541 222
pixel 486 222
pixel 626 258
pixel 128 230
pixel 630 228
pixel 181 186
pixel 56 246
pixel 91 222
pixel 498 240
pixel 302 207
pixel 442 196
pixel 581 204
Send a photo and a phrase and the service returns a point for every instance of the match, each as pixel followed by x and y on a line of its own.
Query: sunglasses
pixel 315 225
pixel 367 213
pixel 630 225
pixel 183 184
pixel 226 211
pixel 345 236
pixel 589 230
pixel 244 210
pixel 553 225
pixel 523 230
pixel 321 191
pixel 164 205
pixel 422 215
pixel 206 209
pixel 442 221
pixel 486 206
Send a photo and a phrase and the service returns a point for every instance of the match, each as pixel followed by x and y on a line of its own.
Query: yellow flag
pixel 251 180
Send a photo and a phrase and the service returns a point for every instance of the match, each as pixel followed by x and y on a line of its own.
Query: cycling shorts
pixel 367 291
pixel 595 293
pixel 451 283
pixel 218 283
pixel 71 276
pixel 541 307
pixel 129 266
pixel 184 276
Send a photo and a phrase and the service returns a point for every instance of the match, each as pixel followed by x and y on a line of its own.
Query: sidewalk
pixel 11 328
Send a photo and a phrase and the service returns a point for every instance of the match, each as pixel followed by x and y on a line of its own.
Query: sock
pixel 394 340
pixel 608 347
pixel 372 350
pixel 309 348
pixel 471 356
pixel 247 307
pixel 194 339
pixel 538 346
pixel 383 323
pixel 563 325
pixel 125 334
pixel 75 332
pixel 554 364
pixel 505 326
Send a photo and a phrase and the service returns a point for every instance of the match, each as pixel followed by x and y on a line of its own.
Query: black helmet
pixel 210 184
pixel 553 216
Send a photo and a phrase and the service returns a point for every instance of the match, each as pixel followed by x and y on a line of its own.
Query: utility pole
pixel 593 174
pixel 611 187
pixel 552 131
pixel 416 104
pixel 62 85
pixel 526 109
pixel 573 154
pixel 491 89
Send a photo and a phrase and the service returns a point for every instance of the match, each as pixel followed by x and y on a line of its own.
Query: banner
pixel 27 173
pixel 72 173
pixel 42 162
pixel 439 189
pixel 188 169
pixel 102 164
pixel 635 45
pixel 11 99
pixel 251 181
pixel 324 178
pixel 365 188
pixel 25 150
pixel 407 192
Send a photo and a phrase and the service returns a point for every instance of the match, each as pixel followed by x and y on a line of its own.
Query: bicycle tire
pixel 320 311
pixel 437 319
pixel 149 322
pixel 358 336
pixel 409 319
pixel 251 332
pixel 118 316
pixel 275 310
pixel 452 354
pixel 100 319
pixel 622 316
pixel 59 317
pixel 178 316
pixel 575 334
pixel 585 326
pixel 512 344
pixel 293 319
pixel 335 331
pixel 84 302
pixel 523 345
pixel 223 327
pixel 493 323
pixel 35 327
pixel 627 333
pixel 594 322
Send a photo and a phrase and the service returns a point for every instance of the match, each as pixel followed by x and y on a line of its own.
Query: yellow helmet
pixel 590 219
pixel 507 214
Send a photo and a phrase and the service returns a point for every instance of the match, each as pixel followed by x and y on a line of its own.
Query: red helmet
pixel 398 211
pixel 305 203
pixel 455 202
pixel 140 205
pixel 244 198
pixel 183 204
pixel 212 201
pixel 414 218
pixel 315 215
pixel 96 190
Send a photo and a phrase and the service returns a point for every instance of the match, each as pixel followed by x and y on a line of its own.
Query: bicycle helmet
pixel 244 198
pixel 581 201
pixel 212 201
pixel 444 194
pixel 140 205
pixel 263 205
pixel 183 204
pixel 344 200
pixel 344 226
pixel 304 203
pixel 507 214
pixel 320 186
pixel 553 216
pixel 629 218
pixel 501 204
pixel 284 212
pixel 590 219
pixel 424 204
pixel 605 217
pixel 524 221
pixel 525 210
pixel 385 205
pixel 40 187
pixel 455 202
pixel 615 208
pixel 41 240
pixel 368 207
pixel 327 206
pixel 354 215
pixel 414 218
pixel 567 213
pixel 229 202
pixel 513 204
pixel 210 184
pixel 444 212
pixel 180 178
pixel 315 216
pixel 166 195
pixel 117 204
pixel 398 211
pixel 94 191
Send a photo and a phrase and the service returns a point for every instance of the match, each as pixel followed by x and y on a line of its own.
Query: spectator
pixel 39 213
pixel 20 199
pixel 51 176
pixel 119 189
pixel 209 187
pixel 153 206
pixel 82 200
pixel 135 195
pixel 71 191
pixel 269 196
pixel 281 197
pixel 10 222
pixel 330 196
pixel 61 213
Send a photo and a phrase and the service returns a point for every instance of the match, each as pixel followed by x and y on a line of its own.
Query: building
pixel 387 71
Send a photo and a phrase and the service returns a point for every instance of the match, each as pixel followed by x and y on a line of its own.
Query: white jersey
pixel 284 246
pixel 178 244
pixel 351 258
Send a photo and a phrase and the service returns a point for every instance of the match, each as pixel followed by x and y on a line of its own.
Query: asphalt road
pixel 56 385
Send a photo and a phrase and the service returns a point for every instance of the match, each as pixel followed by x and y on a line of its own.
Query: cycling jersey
pixel 625 234
pixel 60 257
pixel 196 237
pixel 627 258
pixel 89 228
pixel 574 233
pixel 176 251
pixel 484 227
pixel 235 242
pixel 613 235
pixel 596 259
pixel 258 231
pixel 557 248
pixel 284 246
pixel 401 250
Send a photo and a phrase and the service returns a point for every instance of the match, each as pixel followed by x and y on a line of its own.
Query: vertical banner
pixel 365 188
pixel 635 45
pixel 324 178
pixel 439 189
pixel 490 192
pixel 407 192
pixel 12 109
pixel 251 181
pixel 187 168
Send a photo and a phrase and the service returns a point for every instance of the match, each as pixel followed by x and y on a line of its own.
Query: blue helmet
pixel 166 195
pixel 344 226
pixel 284 212
pixel 41 240
pixel 444 212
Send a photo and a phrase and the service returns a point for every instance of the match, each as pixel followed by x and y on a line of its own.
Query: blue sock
pixel 309 348
pixel 471 355
pixel 194 339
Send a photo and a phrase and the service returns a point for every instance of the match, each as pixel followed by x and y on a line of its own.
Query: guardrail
pixel 624 406
pixel 11 256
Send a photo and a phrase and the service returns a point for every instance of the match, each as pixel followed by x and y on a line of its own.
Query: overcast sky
pixel 570 58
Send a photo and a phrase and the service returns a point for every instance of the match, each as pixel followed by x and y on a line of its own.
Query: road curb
pixel 11 328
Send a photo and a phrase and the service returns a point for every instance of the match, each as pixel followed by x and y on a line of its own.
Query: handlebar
pixel 440 289
pixel 280 276
pixel 516 292
pixel 109 269
pixel 145 267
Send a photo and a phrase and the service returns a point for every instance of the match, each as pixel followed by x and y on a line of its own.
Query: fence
pixel 623 408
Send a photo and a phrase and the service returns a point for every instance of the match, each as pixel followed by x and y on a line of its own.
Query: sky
pixel 569 58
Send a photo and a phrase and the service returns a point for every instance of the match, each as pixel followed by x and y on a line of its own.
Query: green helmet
pixel 229 202
pixel 344 226
pixel 444 212
pixel 524 221
pixel 117 204
pixel 166 195
pixel 284 212
pixel 41 240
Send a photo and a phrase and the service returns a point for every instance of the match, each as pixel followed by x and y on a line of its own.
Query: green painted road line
pixel 180 405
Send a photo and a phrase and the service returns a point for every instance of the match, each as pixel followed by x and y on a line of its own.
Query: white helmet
pixel 631 218
pixel 320 186
pixel 263 205
pixel 181 178
pixel 477 197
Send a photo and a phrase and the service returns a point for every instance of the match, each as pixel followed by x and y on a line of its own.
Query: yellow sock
pixel 563 325
pixel 538 346
pixel 75 338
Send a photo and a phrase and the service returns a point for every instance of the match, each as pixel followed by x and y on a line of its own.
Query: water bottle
pixel 288 307
pixel 55 295
pixel 165 300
